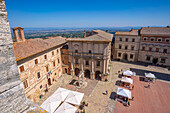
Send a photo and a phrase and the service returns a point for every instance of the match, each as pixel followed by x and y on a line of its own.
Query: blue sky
pixel 88 13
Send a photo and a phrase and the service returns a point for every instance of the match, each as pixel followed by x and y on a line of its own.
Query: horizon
pixel 89 14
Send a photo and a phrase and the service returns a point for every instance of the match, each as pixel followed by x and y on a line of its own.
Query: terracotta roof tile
pixel 33 46
pixel 155 31
pixel 131 32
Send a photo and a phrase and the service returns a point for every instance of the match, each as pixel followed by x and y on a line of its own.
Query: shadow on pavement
pixel 113 95
pixel 161 76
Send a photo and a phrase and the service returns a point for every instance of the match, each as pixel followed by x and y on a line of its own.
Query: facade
pixel 39 63
pixel 155 45
pixel 126 45
pixel 90 55
pixel 148 44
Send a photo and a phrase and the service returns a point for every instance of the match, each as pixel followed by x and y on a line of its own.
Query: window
pixel 58 60
pixel 150 48
pixel 53 63
pixel 152 39
pixel 52 52
pixel 57 51
pixel 126 39
pixel 131 56
pixel 36 61
pixel 87 62
pixel 90 51
pixel 120 47
pixel 76 51
pixel 76 61
pixel 132 47
pixel 120 39
pixel 159 39
pixel 41 87
pixel 21 68
pixel 45 56
pixel 46 68
pixel 126 47
pixel 98 63
pixel 157 49
pixel 119 54
pixel 165 51
pixel 133 40
pixel 148 58
pixel 145 38
pixel 38 75
pixel 143 48
pixel 25 84
pixel 163 60
pixel 167 40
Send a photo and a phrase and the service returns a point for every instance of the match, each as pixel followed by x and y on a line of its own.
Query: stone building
pixel 12 96
pixel 155 45
pixel 126 45
pixel 38 61
pixel 148 44
pixel 90 55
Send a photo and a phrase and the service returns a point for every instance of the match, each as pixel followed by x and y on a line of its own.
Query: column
pixel 92 75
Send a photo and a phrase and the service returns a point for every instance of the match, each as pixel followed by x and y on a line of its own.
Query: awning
pixel 124 92
pixel 66 108
pixel 127 80
pixel 60 94
pixel 149 75
pixel 127 73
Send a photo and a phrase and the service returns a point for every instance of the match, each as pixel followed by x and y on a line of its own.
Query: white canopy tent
pixel 127 73
pixel 149 75
pixel 60 94
pixel 50 104
pixel 74 97
pixel 127 80
pixel 124 92
pixel 66 108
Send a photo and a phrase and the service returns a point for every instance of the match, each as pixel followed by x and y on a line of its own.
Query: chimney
pixel 84 34
pixel 19 34
pixel 107 30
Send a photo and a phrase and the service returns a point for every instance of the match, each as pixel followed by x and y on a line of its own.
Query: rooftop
pixel 155 31
pixel 33 46
pixel 101 36
pixel 134 32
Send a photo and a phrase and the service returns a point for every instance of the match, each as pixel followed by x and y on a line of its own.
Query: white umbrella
pixel 149 75
pixel 74 97
pixel 60 94
pixel 124 92
pixel 66 108
pixel 128 73
pixel 50 104
pixel 127 80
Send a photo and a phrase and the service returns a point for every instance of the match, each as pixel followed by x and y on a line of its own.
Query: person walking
pixel 149 85
pixel 106 92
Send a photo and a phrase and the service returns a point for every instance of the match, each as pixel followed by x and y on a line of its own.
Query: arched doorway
pixel 49 81
pixel 155 60
pixel 87 73
pixel 65 70
pixel 77 71
pixel 125 56
pixel 97 75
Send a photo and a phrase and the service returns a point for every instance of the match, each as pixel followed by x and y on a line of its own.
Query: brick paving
pixel 155 99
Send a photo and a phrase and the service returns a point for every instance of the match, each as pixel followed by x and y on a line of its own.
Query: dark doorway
pixel 125 56
pixel 65 70
pixel 49 81
pixel 97 75
pixel 155 60
pixel 87 73
pixel 77 71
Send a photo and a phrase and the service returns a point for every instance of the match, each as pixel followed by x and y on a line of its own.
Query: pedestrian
pixel 149 85
pixel 106 92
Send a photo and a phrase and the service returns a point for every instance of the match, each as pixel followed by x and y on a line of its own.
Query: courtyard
pixel 144 99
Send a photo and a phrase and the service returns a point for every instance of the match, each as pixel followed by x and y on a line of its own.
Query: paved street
pixel 95 90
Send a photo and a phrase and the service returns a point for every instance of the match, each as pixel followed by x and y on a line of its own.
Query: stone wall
pixel 12 97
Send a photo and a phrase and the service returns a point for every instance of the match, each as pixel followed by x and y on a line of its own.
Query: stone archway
pixel 125 56
pixel 98 75
pixel 77 71
pixel 87 73
pixel 155 60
